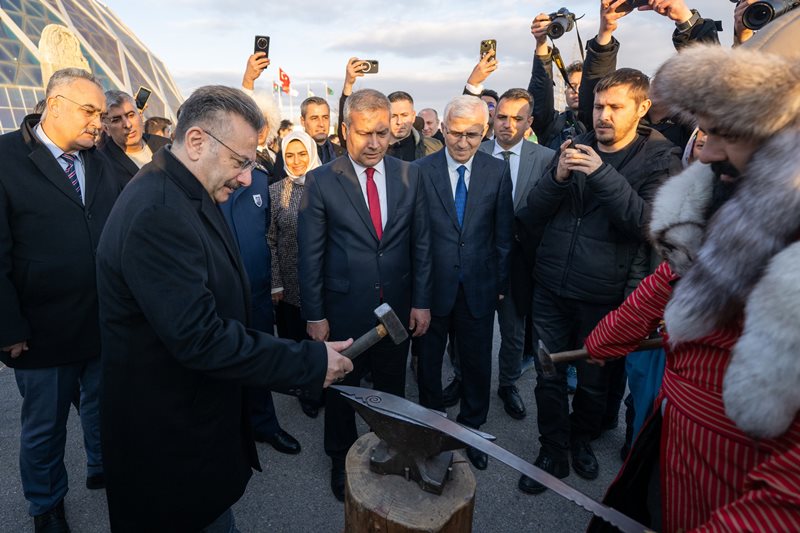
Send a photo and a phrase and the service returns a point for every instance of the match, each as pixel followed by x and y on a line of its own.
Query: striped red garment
pixel 714 477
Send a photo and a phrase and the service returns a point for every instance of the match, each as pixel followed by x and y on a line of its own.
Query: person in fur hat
pixel 728 227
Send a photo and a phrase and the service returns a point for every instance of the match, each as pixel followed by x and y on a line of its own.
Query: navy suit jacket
pixel 247 214
pixel 344 270
pixel 476 254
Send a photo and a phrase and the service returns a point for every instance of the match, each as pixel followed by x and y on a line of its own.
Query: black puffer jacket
pixel 593 225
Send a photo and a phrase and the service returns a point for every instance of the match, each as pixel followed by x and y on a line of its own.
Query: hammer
pixel 548 360
pixel 389 325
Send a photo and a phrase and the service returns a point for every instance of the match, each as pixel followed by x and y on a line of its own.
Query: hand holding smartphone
pixel 142 95
pixel 488 45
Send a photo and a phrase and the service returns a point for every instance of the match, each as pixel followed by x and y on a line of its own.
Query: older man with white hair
pixel 471 216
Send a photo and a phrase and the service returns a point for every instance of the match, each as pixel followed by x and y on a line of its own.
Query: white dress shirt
pixel 513 161
pixel 380 182
pixel 56 151
pixel 452 169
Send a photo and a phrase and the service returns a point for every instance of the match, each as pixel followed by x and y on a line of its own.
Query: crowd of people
pixel 166 279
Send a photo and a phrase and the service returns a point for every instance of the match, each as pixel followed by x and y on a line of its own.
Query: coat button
pixel 89 216
pixel 377 286
pixel 462 244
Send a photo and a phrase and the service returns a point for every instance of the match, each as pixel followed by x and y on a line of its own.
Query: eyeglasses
pixel 90 111
pixel 470 136
pixel 245 164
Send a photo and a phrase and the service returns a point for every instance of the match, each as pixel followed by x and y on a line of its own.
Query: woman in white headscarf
pixel 299 156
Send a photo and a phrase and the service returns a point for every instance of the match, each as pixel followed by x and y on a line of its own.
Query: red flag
pixel 285 82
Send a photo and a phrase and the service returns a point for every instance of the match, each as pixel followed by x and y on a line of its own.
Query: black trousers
pixel 290 323
pixel 473 343
pixel 387 363
pixel 563 324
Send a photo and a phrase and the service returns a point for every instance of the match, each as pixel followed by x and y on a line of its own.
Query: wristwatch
pixel 686 26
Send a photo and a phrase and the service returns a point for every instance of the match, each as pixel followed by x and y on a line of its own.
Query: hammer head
pixel 545 363
pixel 394 328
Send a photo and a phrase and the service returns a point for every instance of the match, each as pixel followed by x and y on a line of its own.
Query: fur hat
pixel 741 92
pixel 678 216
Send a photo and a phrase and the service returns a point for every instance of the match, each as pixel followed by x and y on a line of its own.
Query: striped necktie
pixel 72 175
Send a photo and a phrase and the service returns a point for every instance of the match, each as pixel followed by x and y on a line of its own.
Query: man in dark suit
pixel 471 215
pixel 177 352
pixel 527 162
pixel 363 239
pixel 56 196
pixel 124 144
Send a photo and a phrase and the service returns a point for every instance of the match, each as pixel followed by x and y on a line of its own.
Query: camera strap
pixel 559 61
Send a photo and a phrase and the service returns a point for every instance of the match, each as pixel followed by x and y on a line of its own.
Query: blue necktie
pixel 461 195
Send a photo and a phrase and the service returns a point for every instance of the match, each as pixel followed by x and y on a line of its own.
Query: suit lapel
pixel 48 165
pixel 348 180
pixel 477 186
pixel 440 177
pixel 394 191
pixel 524 174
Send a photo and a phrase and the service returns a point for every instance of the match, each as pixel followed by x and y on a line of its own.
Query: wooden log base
pixel 391 504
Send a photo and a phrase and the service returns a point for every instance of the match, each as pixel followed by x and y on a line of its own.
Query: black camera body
pixel 759 14
pixel 561 22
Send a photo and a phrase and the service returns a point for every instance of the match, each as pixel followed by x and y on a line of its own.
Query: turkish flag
pixel 285 82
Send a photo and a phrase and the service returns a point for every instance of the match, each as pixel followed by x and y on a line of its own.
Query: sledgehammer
pixel 389 325
pixel 548 360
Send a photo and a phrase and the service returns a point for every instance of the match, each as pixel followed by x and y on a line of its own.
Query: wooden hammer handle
pixel 365 342
pixel 577 355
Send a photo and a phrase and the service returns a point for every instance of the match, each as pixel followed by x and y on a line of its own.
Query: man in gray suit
pixel 527 162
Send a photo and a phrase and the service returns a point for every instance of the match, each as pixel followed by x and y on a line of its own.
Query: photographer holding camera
pixel 552 127
pixel 592 203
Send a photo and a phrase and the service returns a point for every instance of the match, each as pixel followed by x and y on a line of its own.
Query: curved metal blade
pixel 396 407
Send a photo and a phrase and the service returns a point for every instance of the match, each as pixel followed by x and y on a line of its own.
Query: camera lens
pixel 555 30
pixel 262 43
pixel 757 15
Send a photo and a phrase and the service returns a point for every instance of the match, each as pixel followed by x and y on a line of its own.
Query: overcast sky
pixel 427 48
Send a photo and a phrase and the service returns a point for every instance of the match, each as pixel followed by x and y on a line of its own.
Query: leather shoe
pixel 281 441
pixel 53 521
pixel 338 478
pixel 478 459
pixel 310 409
pixel 512 402
pixel 95 482
pixel 583 460
pixel 551 465
pixel 451 394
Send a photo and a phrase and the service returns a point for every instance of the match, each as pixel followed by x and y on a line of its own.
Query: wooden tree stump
pixel 389 504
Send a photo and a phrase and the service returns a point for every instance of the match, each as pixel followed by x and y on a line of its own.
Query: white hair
pixel 269 108
pixel 465 106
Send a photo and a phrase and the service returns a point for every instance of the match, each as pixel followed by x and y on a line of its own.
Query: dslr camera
pixel 561 22
pixel 759 14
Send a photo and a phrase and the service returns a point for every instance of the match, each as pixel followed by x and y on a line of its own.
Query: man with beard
pixel 593 203
pixel 125 144
pixel 57 193
pixel 177 349
pixel 730 436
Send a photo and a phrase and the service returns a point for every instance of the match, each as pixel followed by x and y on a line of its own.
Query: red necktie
pixel 374 203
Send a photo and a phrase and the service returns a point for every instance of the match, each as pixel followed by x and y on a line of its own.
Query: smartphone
pixel 630 5
pixel 487 45
pixel 370 66
pixel 261 44
pixel 142 95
